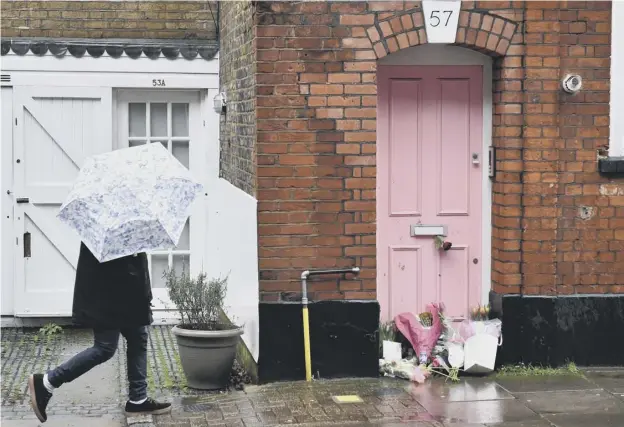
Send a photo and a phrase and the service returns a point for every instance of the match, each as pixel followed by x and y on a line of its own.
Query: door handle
pixel 27 245
pixel 475 159
pixel 23 200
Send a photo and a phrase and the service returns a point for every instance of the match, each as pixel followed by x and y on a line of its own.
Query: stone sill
pixel 611 166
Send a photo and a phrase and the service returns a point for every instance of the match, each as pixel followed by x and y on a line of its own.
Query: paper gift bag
pixel 391 350
pixel 480 353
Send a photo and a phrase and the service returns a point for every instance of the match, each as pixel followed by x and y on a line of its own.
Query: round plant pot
pixel 207 356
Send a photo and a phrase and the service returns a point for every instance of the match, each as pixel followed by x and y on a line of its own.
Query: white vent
pixel 5 79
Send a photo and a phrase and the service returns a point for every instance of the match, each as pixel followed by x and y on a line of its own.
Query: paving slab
pixel 99 385
pixel 487 411
pixel 523 384
pixel 610 379
pixel 69 421
pixel 573 402
pixel 384 424
pixel 529 423
pixel 468 390
pixel 586 420
pixel 140 421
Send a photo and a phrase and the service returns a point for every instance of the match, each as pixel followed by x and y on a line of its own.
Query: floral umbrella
pixel 129 201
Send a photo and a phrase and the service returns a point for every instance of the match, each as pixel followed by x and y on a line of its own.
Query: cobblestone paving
pixel 25 351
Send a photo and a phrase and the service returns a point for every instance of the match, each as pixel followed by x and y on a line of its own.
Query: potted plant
pixel 206 339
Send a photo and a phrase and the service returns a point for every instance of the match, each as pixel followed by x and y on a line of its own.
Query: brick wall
pixel 109 19
pixel 590 226
pixel 556 222
pixel 237 78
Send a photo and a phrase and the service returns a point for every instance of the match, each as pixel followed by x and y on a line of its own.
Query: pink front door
pixel 430 159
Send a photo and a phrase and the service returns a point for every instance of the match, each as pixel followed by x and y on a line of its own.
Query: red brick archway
pixel 492 35
pixel 489 34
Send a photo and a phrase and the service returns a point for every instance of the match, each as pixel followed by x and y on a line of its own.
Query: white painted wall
pixel 232 243
pixel 439 54
pixel 233 251
pixel 616 137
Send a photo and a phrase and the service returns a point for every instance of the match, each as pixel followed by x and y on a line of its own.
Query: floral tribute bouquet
pixel 480 323
pixel 432 338
pixel 422 332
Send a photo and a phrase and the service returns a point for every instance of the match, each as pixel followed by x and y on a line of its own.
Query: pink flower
pixel 422 339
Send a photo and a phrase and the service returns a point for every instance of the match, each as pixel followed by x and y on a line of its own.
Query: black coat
pixel 114 294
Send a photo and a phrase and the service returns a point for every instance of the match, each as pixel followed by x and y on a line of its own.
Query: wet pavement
pixel 595 398
pixel 561 401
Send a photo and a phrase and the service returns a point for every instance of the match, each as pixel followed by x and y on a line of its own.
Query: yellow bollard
pixel 306 344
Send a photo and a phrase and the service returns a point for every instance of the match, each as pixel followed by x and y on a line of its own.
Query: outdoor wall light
pixel 220 103
pixel 572 83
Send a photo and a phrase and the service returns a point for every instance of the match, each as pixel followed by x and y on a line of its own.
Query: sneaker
pixel 149 407
pixel 39 396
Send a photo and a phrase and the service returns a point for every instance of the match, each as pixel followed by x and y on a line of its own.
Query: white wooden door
pixel 55 129
pixel 174 120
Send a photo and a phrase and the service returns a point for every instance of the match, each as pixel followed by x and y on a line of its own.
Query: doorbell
pixel 572 83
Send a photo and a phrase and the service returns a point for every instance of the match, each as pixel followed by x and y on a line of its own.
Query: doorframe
pixel 447 55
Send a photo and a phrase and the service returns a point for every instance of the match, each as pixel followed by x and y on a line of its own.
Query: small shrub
pixel 198 300
pixel 50 330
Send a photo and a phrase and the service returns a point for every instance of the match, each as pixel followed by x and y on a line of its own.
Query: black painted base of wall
pixel 343 335
pixel 552 331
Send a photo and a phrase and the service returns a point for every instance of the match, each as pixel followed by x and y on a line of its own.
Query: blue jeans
pixel 104 347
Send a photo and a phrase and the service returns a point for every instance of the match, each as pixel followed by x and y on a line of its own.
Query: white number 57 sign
pixel 441 20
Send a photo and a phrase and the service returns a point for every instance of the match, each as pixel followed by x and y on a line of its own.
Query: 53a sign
pixel 441 20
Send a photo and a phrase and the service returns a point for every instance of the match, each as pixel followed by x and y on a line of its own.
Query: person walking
pixel 113 298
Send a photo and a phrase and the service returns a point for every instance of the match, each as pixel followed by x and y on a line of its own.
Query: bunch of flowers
pixel 480 313
pixel 422 332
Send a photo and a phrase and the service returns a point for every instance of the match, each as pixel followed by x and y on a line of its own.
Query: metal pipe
pixel 308 273
pixel 306 316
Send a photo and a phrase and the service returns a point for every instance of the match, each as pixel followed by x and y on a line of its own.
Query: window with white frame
pixel 166 123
